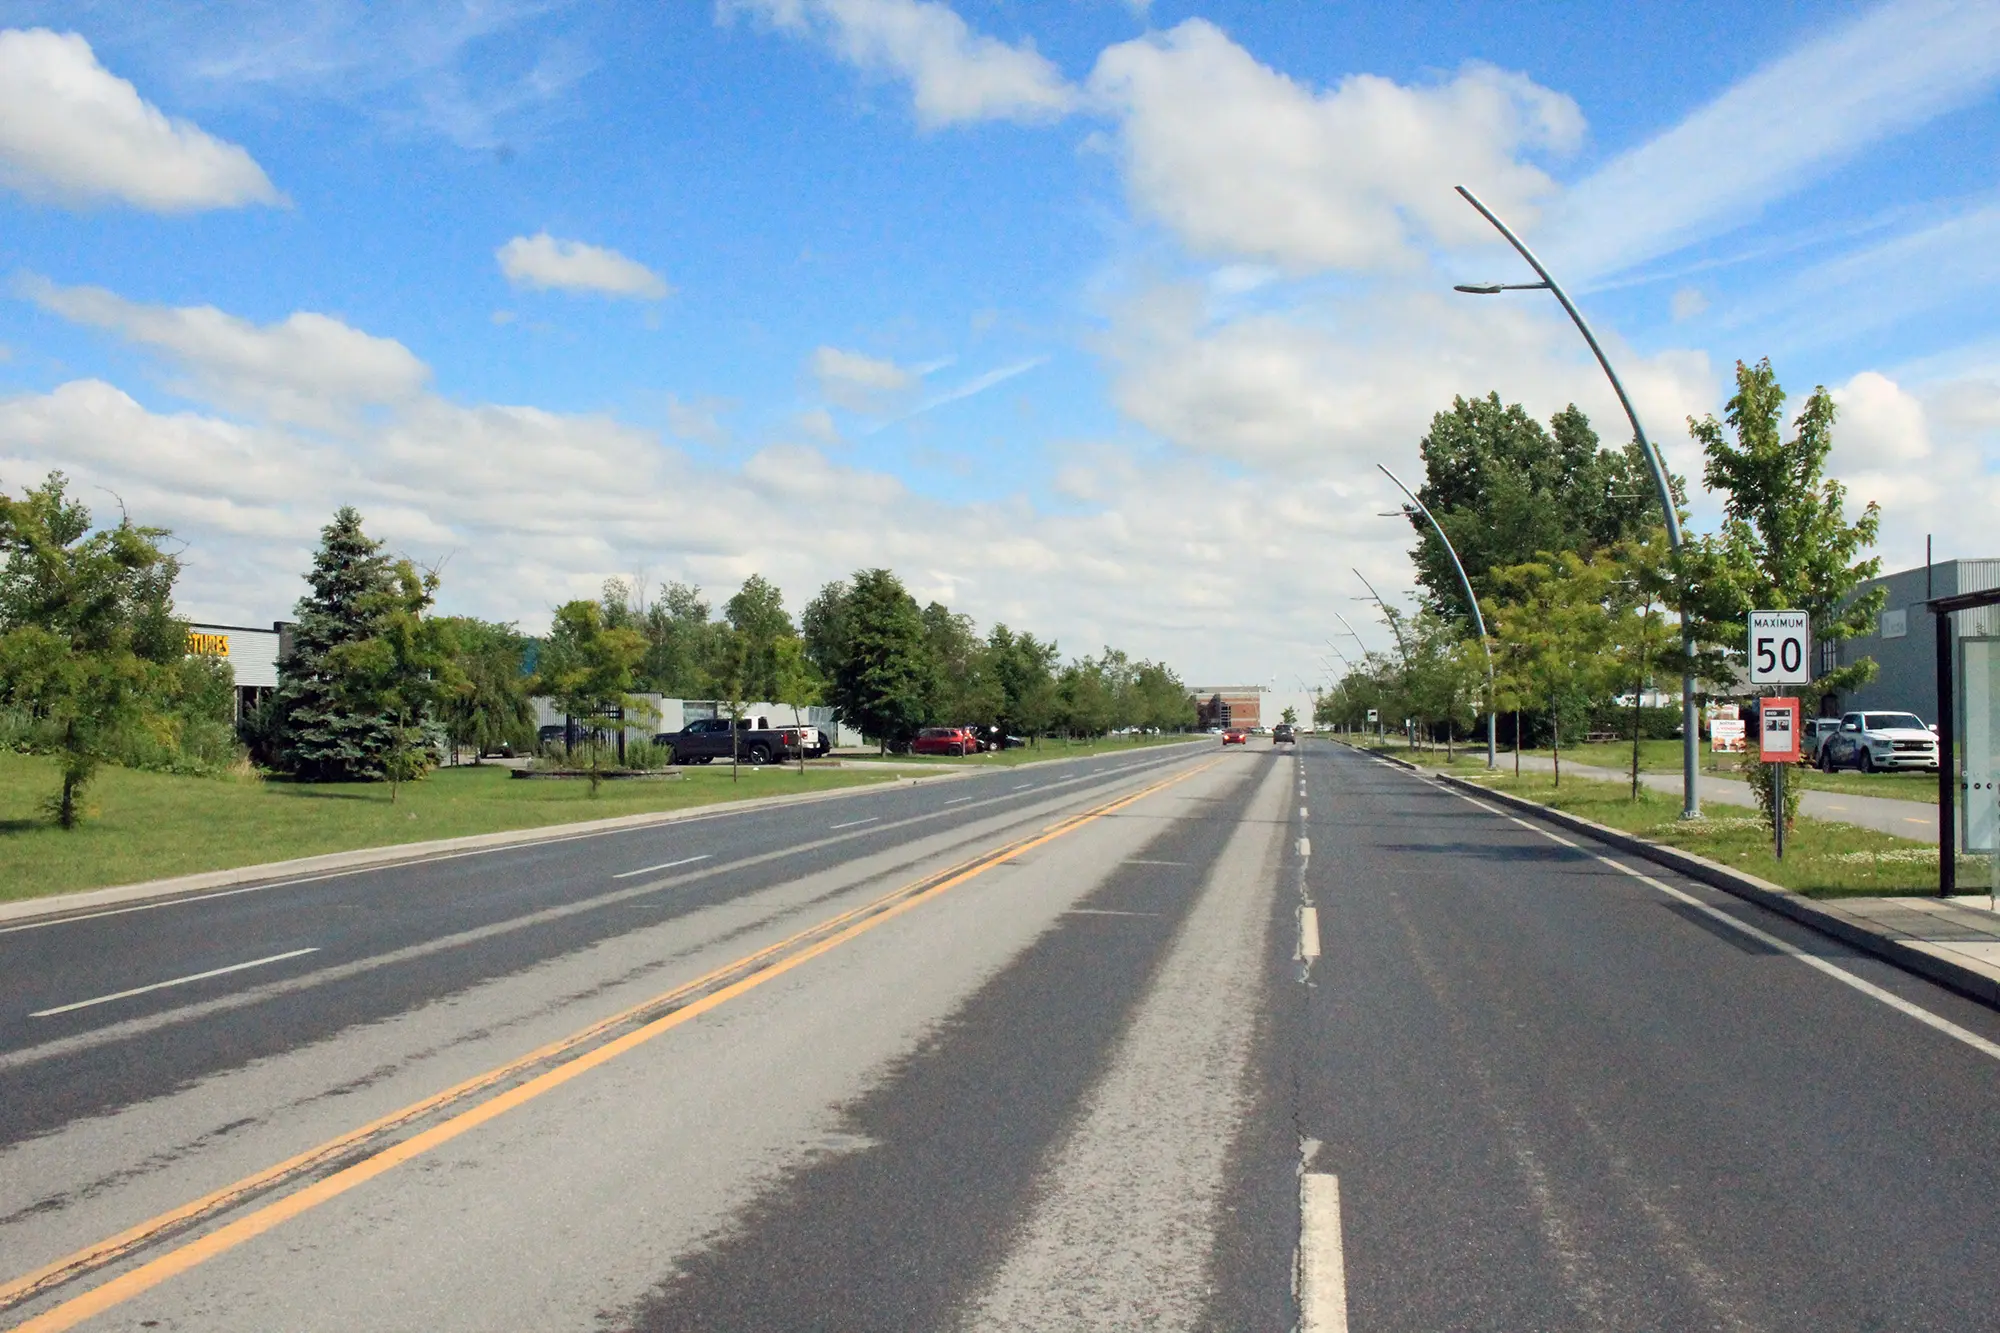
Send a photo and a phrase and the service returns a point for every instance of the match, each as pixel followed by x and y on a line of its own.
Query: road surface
pixel 1178 1039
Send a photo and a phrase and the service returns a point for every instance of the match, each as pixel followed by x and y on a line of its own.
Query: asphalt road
pixel 1179 1039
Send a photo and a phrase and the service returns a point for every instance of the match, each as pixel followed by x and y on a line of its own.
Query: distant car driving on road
pixel 1873 742
pixel 1236 736
pixel 1282 734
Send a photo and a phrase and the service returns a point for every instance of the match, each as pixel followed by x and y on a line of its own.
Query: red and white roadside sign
pixel 1778 730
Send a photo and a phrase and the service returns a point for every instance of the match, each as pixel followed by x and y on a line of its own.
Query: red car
pixel 945 740
pixel 1235 736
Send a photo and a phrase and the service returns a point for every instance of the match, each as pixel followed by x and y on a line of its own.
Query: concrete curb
pixel 83 901
pixel 1826 918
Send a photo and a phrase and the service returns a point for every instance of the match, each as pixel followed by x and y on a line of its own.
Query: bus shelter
pixel 1968 692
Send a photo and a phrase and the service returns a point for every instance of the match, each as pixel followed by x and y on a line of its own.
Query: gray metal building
pixel 1904 644
pixel 251 653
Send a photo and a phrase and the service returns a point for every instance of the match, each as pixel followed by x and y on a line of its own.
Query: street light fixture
pixel 1690 731
pixel 1472 600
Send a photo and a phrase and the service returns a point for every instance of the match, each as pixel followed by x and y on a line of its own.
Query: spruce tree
pixel 316 733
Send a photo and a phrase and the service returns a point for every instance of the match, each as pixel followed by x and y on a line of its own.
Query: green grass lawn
pixel 151 825
pixel 1822 859
pixel 1665 757
pixel 1029 754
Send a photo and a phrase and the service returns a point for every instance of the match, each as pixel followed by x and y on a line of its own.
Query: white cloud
pixel 72 130
pixel 1922 452
pixel 698 419
pixel 1778 130
pixel 1337 386
pixel 955 74
pixel 1242 161
pixel 1688 302
pixel 859 382
pixel 1875 286
pixel 817 424
pixel 543 262
pixel 307 368
pixel 483 76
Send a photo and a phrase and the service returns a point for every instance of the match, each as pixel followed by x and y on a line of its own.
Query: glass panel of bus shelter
pixel 1979 761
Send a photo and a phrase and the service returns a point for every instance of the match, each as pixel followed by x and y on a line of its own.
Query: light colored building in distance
pixel 251 653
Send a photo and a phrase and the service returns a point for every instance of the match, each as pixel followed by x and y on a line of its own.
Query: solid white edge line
pixel 1944 1025
pixel 664 865
pixel 854 823
pixel 1322 1264
pixel 177 981
pixel 1308 932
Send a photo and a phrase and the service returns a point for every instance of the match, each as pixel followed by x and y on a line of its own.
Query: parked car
pixel 1874 742
pixel 708 739
pixel 946 740
pixel 1817 730
pixel 1236 736
pixel 1282 734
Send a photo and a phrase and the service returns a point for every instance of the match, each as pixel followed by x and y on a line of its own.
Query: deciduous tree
pixel 90 646
pixel 404 671
pixel 588 670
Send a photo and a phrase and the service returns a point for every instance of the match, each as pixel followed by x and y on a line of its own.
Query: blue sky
pixel 1086 315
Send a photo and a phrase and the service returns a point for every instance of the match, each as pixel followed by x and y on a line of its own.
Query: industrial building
pixel 1904 643
pixel 251 653
pixel 1228 705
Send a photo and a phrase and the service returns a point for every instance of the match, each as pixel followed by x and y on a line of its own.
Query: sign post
pixel 1780 654
pixel 1778 739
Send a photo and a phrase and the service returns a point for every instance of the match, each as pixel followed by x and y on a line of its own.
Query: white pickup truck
pixel 1875 742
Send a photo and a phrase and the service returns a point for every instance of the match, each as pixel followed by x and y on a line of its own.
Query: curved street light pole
pixel 1472 600
pixel 1690 732
pixel 1387 615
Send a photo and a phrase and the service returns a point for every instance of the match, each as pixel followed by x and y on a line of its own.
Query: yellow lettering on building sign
pixel 207 645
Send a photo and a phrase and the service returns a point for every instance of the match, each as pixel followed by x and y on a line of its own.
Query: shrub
pixel 1758 774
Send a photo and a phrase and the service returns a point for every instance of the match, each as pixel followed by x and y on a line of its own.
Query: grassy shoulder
pixel 1028 754
pixel 1665 757
pixel 152 825
pixel 1822 859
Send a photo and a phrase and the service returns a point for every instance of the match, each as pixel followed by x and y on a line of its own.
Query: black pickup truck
pixel 707 740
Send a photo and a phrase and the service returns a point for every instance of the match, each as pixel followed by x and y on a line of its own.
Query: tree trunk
pixel 1556 749
pixel 1638 689
pixel 66 806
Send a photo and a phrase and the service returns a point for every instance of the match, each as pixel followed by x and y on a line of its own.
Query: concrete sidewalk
pixel 1884 814
pixel 1963 932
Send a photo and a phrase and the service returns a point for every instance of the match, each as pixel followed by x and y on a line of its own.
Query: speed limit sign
pixel 1780 647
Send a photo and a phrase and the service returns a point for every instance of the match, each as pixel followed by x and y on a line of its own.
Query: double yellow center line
pixel 558 1062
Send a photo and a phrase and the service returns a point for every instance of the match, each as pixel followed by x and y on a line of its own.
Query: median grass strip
pixel 1031 754
pixel 153 825
pixel 1823 859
